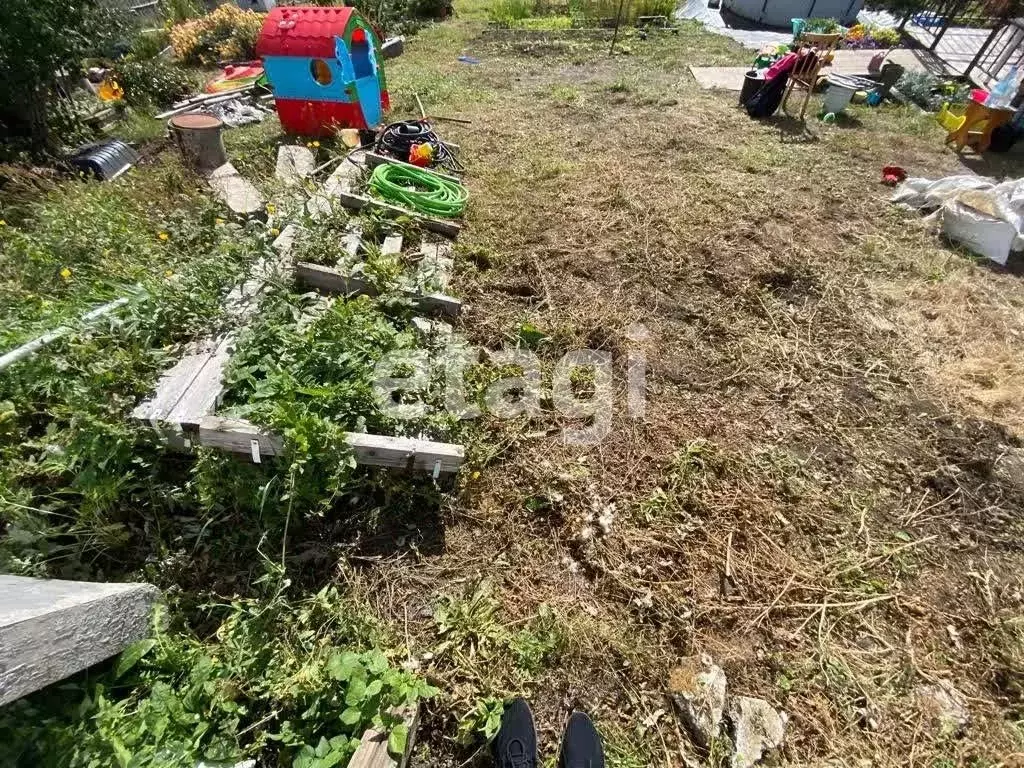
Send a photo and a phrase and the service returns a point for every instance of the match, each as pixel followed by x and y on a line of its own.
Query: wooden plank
pixel 342 180
pixel 373 160
pixel 237 436
pixel 392 245
pixel 284 242
pixel 205 392
pixel 405 452
pixel 438 302
pixel 372 751
pixel 235 191
pixel 331 280
pixel 358 202
pixel 51 629
pixel 171 387
pixel 346 175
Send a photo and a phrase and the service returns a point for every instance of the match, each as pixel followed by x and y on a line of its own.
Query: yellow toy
pixel 948 120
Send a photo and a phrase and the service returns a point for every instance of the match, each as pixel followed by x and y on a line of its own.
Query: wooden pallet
pixel 183 407
pixel 244 437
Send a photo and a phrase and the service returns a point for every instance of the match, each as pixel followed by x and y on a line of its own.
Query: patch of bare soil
pixel 822 491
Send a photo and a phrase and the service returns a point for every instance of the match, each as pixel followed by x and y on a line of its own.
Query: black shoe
pixel 515 745
pixel 581 744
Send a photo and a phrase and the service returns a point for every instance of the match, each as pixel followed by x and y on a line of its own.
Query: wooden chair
pixel 805 73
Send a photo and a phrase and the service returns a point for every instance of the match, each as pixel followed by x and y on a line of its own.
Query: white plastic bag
pixel 974 210
pixel 983 234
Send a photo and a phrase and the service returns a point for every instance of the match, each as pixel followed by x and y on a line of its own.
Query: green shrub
pixel 886 37
pixel 823 26
pixel 930 92
pixel 282 682
pixel 597 11
pixel 177 11
pixel 226 34
pixel 38 38
pixel 507 12
pixel 153 82
pixel 149 43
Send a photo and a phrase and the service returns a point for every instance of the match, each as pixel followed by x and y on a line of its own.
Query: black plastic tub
pixel 752 83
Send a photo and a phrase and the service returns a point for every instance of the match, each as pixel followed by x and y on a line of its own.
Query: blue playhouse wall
pixel 292 79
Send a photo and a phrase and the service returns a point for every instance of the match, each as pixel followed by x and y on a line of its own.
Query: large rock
pixel 943 706
pixel 51 629
pixel 757 729
pixel 698 692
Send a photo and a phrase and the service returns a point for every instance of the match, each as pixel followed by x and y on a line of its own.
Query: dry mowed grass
pixel 822 492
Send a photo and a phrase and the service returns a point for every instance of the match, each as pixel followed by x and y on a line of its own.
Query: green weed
pixel 469 624
pixel 302 700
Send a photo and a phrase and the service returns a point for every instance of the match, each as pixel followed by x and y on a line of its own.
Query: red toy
pixel 893 175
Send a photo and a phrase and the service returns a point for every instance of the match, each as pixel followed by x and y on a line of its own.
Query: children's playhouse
pixel 322 64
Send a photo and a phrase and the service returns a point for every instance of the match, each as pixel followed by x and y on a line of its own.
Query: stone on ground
pixel 51 629
pixel 757 729
pixel 236 192
pixel 697 686
pixel 943 706
pixel 1008 469
pixel 294 163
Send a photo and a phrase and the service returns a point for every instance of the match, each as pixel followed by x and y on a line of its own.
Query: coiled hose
pixel 420 190
pixel 397 139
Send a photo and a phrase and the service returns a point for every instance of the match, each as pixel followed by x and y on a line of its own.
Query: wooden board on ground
pixel 204 394
pixel 332 281
pixel 172 386
pixel 342 181
pixel 244 437
pixel 351 241
pixel 358 202
pixel 372 751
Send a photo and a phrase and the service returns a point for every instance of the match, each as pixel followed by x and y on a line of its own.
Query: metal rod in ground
pixel 423 112
pixel 30 348
pixel 615 35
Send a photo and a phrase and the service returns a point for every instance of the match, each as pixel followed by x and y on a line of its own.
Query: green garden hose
pixel 418 189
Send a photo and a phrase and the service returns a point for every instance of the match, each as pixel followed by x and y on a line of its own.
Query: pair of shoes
pixel 515 745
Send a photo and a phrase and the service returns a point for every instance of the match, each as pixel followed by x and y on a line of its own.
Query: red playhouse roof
pixel 306 31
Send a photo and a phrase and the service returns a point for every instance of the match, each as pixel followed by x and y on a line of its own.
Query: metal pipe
pixel 31 347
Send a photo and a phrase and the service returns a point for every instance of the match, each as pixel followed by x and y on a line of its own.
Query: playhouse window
pixel 320 71
pixel 361 58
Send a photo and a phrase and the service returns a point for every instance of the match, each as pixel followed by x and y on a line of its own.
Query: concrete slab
pixel 294 163
pixel 51 629
pixel 235 191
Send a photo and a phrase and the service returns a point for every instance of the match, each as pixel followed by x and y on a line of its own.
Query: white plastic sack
pixel 984 235
pixel 980 211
